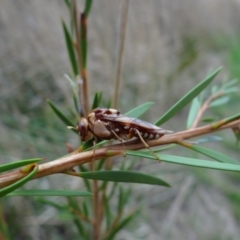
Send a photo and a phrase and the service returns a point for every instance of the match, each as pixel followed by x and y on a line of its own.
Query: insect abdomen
pixel 149 134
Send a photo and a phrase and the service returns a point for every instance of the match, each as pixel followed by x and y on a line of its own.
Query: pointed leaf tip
pixel 187 98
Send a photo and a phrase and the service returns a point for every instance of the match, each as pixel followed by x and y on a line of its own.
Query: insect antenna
pixel 147 146
pixel 70 127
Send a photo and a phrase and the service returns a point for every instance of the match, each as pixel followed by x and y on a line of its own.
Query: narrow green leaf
pixel 231 90
pixel 67 3
pixel 74 92
pixel 49 192
pixel 73 203
pixel 4 227
pixel 70 48
pixel 85 208
pixel 100 164
pixel 113 190
pixel 122 224
pixel 86 181
pixel 125 198
pixel 13 165
pixel 236 132
pixel 213 154
pixel 120 199
pixel 208 139
pixel 187 98
pixel 80 228
pixel 220 101
pixel 189 161
pixel 140 110
pixel 12 187
pixel 109 103
pixel 230 83
pixel 225 121
pixel 88 144
pixel 76 102
pixel 53 204
pixel 208 119
pixel 108 212
pixel 125 176
pixel 97 100
pixel 61 115
pixel 214 89
pixel 193 112
pixel 232 118
pixel 88 5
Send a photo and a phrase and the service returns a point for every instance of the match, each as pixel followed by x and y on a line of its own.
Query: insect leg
pixel 146 145
pixel 94 149
pixel 120 140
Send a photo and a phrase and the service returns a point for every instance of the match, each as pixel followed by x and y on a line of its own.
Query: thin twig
pixel 81 36
pixel 96 203
pixel 120 52
pixel 79 54
pixel 84 75
pixel 204 107
pixel 63 164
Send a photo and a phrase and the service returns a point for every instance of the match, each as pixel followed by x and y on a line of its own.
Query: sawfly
pixel 107 124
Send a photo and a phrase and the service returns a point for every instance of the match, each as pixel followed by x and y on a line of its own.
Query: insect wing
pixel 133 123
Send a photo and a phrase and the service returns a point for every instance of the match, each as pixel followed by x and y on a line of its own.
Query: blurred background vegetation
pixel 170 46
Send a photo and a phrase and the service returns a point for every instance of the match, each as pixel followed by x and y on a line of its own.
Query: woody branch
pixel 62 165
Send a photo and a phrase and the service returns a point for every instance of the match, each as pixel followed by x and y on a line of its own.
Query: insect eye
pixel 108 112
pixel 82 128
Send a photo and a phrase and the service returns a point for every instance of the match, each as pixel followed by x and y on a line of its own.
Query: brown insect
pixel 108 124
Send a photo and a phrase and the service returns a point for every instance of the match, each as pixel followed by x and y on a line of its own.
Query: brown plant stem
pixel 204 107
pixel 83 37
pixel 120 52
pixel 63 164
pixel 96 203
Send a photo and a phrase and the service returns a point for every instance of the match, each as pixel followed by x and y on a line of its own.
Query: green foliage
pixel 234 58
pixel 21 163
pixel 139 111
pixel 194 162
pixel 49 192
pixel 195 106
pixel 187 98
pixel 88 6
pixel 61 115
pixel 70 48
pixel 75 95
pixel 87 213
pixel 6 190
pixel 213 154
pixel 124 176
pixel 97 100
